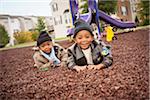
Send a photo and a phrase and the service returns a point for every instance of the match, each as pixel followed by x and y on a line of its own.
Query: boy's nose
pixel 47 47
pixel 84 40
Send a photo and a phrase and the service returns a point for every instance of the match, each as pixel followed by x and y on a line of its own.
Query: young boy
pixel 48 54
pixel 86 52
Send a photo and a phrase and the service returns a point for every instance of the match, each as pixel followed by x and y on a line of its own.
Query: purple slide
pixel 94 15
pixel 103 16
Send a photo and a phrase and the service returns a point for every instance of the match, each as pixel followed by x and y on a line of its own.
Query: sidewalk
pixel 132 29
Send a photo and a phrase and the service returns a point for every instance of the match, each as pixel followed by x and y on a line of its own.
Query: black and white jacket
pixel 41 62
pixel 77 57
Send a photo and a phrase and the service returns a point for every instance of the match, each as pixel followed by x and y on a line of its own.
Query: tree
pixel 108 6
pixel 144 12
pixel 84 7
pixel 4 38
pixel 40 25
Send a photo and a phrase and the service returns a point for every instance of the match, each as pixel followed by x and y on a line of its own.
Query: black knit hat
pixel 81 25
pixel 43 37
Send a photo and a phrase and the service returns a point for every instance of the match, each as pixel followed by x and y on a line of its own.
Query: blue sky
pixel 25 7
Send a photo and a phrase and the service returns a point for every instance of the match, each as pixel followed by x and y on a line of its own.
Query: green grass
pixel 143 27
pixel 137 28
pixel 29 44
pixel 61 38
pixel 19 46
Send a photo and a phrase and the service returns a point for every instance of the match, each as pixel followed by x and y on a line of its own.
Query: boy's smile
pixel 84 39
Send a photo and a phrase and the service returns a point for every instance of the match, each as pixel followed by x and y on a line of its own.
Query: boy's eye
pixel 45 44
pixel 87 36
pixel 79 37
pixel 48 43
pixel 42 46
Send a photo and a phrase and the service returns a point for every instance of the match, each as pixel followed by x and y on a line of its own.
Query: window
pixel 16 30
pixel 123 10
pixel 6 21
pixel 66 21
pixel 133 9
pixel 55 7
pixel 12 21
pixel 55 21
pixel 67 16
pixel 58 20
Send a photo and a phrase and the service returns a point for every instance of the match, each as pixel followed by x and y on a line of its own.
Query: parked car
pixel 2 45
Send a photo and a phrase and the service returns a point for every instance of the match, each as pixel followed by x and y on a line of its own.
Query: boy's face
pixel 84 39
pixel 46 46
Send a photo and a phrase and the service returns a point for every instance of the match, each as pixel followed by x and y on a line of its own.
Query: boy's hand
pixel 51 61
pixel 91 66
pixel 99 66
pixel 79 68
pixel 62 64
pixel 59 65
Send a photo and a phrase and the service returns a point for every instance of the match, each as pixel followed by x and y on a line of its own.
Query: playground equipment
pixel 94 16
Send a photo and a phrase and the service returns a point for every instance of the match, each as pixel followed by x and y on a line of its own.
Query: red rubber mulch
pixel 127 78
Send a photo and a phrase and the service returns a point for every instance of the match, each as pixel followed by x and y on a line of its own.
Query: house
pixel 127 9
pixel 14 24
pixel 61 17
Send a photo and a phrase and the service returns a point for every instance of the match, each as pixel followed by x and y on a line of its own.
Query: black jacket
pixel 76 56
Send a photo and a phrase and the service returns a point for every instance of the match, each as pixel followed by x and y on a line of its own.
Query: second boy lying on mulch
pixel 49 54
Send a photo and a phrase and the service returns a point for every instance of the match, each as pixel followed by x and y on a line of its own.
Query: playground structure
pixel 94 16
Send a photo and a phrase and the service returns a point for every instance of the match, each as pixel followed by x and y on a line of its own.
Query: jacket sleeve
pixel 108 59
pixel 70 60
pixel 63 56
pixel 39 61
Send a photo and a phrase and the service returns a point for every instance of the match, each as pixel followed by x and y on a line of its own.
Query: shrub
pixel 4 38
pixel 22 37
pixel 146 22
pixel 35 35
